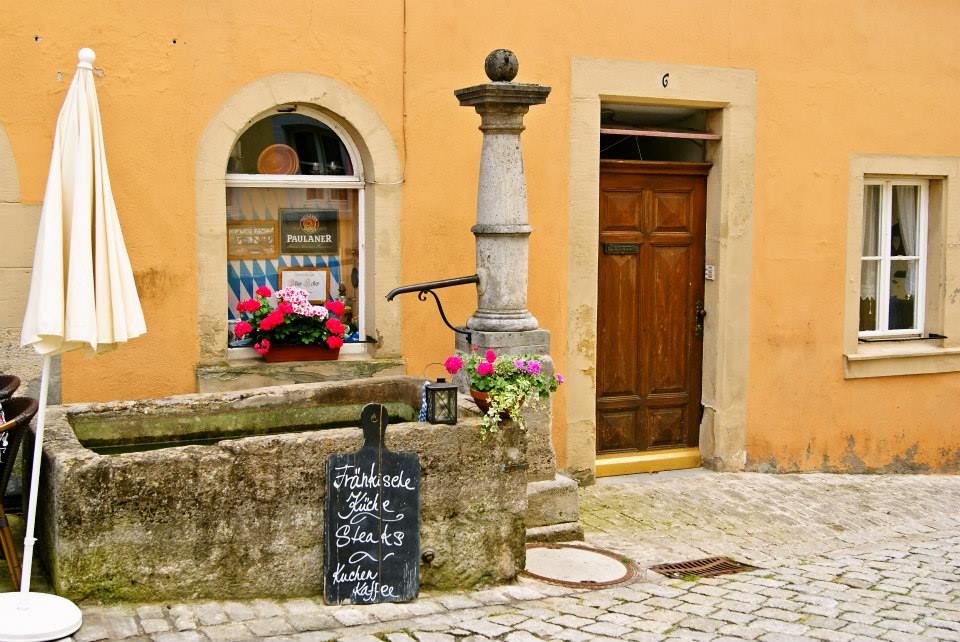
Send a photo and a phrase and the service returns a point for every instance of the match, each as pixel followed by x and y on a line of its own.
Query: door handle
pixel 698 313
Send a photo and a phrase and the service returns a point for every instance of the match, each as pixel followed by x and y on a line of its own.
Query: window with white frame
pixel 893 258
pixel 295 214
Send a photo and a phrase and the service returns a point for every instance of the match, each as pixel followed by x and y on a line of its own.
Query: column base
pixel 522 342
pixel 494 321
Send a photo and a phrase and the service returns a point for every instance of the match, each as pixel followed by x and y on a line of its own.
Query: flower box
pixel 291 328
pixel 278 353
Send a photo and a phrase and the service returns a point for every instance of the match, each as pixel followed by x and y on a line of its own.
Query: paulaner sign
pixel 372 537
pixel 309 231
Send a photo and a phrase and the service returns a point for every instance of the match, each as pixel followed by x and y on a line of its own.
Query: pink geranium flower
pixel 453 364
pixel 285 307
pixel 533 367
pixel 491 356
pixel 484 368
pixel 558 377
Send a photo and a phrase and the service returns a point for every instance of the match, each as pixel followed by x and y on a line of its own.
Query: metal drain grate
pixel 708 567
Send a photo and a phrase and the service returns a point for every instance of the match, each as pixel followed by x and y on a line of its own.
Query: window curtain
pixel 905 207
pixel 871 241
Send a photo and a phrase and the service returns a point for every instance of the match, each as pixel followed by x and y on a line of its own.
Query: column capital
pixel 504 94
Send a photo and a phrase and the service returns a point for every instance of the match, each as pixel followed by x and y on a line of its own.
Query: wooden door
pixel 649 327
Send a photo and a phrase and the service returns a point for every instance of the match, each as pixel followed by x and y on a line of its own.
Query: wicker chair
pixel 12 499
pixel 8 385
pixel 19 411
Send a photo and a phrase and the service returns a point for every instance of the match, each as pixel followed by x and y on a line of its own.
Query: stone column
pixel 502 319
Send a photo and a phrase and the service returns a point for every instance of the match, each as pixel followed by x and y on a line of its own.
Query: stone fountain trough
pixel 221 495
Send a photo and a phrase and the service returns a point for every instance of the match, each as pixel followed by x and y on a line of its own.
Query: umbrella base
pixel 34 617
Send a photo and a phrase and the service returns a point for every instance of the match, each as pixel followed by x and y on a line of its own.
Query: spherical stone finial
pixel 86 57
pixel 501 65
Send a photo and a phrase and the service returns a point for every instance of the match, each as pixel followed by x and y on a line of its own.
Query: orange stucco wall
pixel 834 79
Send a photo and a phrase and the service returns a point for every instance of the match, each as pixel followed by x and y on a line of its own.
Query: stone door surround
pixel 732 94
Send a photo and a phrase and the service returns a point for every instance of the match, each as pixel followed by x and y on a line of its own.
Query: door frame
pixel 731 95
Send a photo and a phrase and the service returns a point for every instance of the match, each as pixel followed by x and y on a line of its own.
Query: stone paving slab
pixel 842 558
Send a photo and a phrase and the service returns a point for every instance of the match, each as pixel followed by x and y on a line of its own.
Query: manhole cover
pixel 577 566
pixel 708 567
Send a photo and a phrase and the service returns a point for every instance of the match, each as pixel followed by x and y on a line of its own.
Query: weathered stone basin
pixel 242 516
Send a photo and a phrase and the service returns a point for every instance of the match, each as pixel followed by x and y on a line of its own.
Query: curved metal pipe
pixel 432 285
pixel 428 287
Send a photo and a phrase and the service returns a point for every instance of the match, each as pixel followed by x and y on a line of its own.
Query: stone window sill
pixel 245 373
pixel 900 358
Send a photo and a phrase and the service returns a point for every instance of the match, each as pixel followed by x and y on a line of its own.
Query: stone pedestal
pixel 502 322
pixel 502 230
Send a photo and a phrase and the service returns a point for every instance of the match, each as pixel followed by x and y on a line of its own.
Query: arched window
pixel 294 207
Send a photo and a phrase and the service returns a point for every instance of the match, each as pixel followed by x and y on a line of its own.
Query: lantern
pixel 442 402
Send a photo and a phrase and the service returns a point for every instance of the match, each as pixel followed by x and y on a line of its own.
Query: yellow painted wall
pixel 834 79
pixel 156 99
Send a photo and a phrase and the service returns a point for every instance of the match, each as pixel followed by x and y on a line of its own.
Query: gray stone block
pixel 568 532
pixel 553 501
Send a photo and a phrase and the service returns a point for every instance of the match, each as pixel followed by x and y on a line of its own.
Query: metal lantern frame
pixel 441 402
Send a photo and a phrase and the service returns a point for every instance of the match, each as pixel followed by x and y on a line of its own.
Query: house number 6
pixel 665 80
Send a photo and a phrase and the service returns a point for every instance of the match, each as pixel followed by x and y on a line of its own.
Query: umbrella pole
pixel 29 539
pixel 26 616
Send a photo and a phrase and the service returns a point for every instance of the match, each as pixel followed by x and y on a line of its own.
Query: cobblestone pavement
pixel 841 558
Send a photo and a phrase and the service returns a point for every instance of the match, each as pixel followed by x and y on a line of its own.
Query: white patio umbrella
pixel 82 295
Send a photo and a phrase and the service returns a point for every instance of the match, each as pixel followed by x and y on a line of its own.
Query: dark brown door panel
pixel 652 221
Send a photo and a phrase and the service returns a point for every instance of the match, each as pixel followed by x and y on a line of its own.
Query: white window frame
pixel 354 181
pixel 884 259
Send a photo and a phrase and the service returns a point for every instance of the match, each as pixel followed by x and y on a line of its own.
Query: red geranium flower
pixel 272 320
pixel 285 307
pixel 264 291
pixel 334 326
pixel 263 347
pixel 334 342
pixel 336 307
pixel 250 305
pixel 242 329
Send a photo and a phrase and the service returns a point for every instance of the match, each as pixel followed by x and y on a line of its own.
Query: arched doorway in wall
pixel 295 215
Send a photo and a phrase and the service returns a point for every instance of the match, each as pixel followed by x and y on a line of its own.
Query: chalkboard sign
pixel 372 539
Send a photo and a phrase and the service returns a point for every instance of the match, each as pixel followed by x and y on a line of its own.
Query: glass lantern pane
pixel 444 405
pixel 869 280
pixel 290 144
pixel 903 295
pixel 903 220
pixel 871 219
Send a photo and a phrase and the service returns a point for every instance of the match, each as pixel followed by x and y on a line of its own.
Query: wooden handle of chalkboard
pixel 374 420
